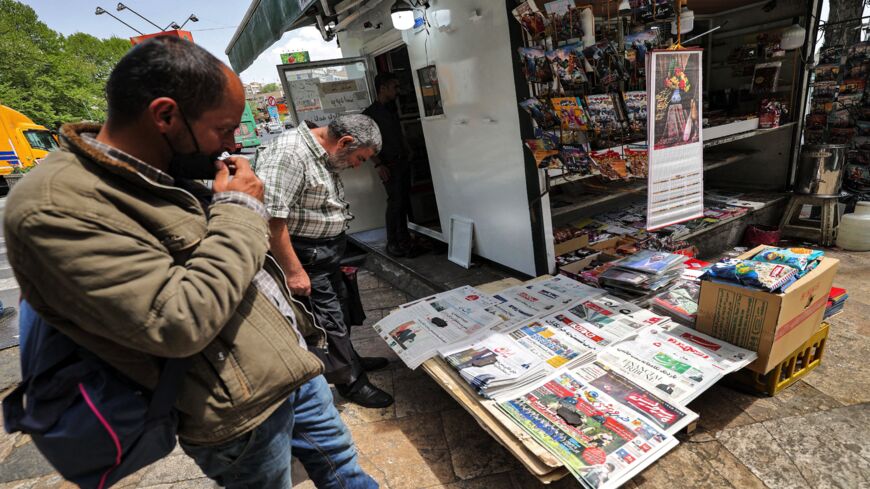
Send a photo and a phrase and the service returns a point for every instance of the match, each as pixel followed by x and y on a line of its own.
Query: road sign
pixel 271 100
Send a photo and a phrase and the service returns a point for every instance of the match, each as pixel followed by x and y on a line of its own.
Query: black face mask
pixel 191 166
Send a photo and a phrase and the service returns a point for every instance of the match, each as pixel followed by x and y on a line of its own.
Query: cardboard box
pixel 571 245
pixel 774 325
pixel 574 268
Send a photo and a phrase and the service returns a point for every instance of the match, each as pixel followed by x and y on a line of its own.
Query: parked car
pixel 274 127
pixel 288 124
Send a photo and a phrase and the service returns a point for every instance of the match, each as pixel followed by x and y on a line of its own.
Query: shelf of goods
pixel 723 134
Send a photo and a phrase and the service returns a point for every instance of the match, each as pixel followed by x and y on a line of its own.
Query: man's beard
pixel 340 160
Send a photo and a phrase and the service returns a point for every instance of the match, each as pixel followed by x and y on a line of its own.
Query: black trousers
pixel 328 302
pixel 398 203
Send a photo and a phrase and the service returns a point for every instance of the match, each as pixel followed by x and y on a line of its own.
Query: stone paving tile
pixel 523 479
pixel 757 449
pixel 417 393
pixel 829 448
pixel 24 462
pixel 404 453
pixel 698 465
pixel 844 372
pixel 200 483
pixel 473 451
pixel 53 481
pixel 10 368
pixel 386 298
pixel 720 408
pixel 176 468
pixel 800 398
pixel 500 481
pixel 367 281
pixel 354 415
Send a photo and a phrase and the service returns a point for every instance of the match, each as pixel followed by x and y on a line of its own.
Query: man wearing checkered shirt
pixel 309 215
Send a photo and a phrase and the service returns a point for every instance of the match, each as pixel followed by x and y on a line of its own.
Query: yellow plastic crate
pixel 789 371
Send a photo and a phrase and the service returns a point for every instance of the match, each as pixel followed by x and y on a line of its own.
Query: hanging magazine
pixel 570 113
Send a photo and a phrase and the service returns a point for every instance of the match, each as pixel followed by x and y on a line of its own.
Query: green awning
pixel 263 25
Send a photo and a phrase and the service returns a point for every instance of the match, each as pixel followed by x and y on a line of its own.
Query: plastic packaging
pixel 854 231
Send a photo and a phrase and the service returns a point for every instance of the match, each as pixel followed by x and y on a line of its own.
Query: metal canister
pixel 820 170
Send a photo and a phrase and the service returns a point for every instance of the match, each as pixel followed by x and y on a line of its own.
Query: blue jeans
pixel 306 425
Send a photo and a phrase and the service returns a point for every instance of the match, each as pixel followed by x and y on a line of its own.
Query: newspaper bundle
pixel 602 442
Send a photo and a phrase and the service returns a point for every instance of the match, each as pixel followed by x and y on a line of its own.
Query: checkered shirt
pixel 301 186
pixel 264 282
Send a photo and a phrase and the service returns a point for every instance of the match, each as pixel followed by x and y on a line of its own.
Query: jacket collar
pixel 73 140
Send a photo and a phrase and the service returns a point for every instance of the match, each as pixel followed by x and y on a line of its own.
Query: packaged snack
pixel 576 159
pixel 766 276
pixel 798 258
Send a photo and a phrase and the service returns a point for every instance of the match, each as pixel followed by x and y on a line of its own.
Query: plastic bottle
pixel 854 231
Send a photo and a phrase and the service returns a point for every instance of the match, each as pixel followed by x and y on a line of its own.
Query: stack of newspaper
pixel 609 419
pixel 501 366
pixel 643 273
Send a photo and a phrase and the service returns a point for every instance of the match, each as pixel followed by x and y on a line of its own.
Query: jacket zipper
pixel 321 344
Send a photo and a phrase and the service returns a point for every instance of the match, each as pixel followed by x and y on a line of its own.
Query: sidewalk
pixel 812 435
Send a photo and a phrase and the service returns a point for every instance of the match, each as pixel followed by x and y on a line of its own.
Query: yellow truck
pixel 22 143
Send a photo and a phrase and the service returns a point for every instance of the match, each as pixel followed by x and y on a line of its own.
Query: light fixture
pixel 793 37
pixel 402 15
pixel 624 7
pixel 100 11
pixel 120 7
pixel 175 25
pixel 687 21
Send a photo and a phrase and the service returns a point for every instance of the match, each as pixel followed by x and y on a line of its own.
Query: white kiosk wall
pixel 475 149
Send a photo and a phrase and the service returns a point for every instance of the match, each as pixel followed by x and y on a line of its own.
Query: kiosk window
pixel 431 93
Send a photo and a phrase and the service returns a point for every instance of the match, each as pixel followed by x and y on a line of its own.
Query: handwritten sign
pixel 305 94
pixel 329 88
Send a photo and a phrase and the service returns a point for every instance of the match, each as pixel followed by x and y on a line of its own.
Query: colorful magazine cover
pixel 536 66
pixel 543 115
pixel 567 64
pixel 570 113
pixel 493 361
pixel 680 302
pixel 652 262
pixel 601 442
pixel 602 113
pixel 530 17
pixel 636 106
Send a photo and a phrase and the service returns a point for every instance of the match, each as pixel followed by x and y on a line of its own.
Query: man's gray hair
pixel 361 128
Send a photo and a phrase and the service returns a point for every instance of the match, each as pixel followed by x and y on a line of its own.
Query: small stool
pixel 823 232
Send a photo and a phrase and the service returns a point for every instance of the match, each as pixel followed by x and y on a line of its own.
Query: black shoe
pixel 365 394
pixel 370 364
pixel 396 251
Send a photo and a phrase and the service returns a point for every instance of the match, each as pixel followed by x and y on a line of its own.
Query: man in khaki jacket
pixel 116 246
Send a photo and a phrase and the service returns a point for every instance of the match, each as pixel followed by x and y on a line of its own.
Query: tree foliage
pixel 270 87
pixel 51 78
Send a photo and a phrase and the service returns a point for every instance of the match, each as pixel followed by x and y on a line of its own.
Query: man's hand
pixel 244 179
pixel 299 283
pixel 383 172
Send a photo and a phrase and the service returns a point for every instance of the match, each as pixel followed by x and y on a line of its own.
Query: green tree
pixel 51 78
pixel 270 87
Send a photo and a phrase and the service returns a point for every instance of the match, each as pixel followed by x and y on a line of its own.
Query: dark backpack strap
pixel 166 392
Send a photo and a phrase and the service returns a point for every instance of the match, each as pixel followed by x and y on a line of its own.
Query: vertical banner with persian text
pixel 676 146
